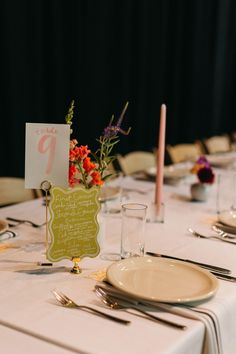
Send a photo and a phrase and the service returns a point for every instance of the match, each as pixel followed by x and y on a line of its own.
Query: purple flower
pixel 203 161
pixel 112 130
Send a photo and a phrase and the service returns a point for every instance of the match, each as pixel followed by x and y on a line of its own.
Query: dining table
pixel 32 321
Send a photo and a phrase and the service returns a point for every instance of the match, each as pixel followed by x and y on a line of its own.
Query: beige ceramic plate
pixel 220 161
pixel 228 218
pixel 169 172
pixel 3 226
pixel 162 280
pixel 108 193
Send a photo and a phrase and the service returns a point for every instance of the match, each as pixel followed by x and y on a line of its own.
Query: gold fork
pixel 67 302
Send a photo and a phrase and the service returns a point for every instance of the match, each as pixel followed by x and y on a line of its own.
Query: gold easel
pixel 46 186
pixel 76 269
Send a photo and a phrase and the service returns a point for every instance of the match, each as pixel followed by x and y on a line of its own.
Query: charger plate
pixel 220 161
pixel 228 218
pixel 162 280
pixel 171 173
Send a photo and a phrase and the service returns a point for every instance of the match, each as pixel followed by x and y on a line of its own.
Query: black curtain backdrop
pixel 102 53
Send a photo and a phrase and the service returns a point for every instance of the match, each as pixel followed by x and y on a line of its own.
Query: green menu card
pixel 73 225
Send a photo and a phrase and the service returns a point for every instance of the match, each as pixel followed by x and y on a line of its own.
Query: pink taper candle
pixel 160 159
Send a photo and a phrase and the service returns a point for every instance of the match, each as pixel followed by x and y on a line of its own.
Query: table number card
pixel 46 154
pixel 73 225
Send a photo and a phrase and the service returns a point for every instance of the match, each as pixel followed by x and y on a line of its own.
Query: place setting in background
pixel 5 231
pixel 222 160
pixel 216 235
pixel 112 194
pixel 173 174
pixel 131 184
pixel 226 201
pixel 223 225
pixel 108 193
pixel 6 234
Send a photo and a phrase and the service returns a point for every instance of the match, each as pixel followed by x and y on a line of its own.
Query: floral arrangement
pixel 203 170
pixel 91 169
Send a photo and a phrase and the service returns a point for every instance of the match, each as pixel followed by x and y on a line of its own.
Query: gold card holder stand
pixel 76 269
pixel 46 186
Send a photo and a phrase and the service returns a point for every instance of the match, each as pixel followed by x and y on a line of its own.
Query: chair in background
pixel 233 137
pixel 12 191
pixel 136 161
pixel 184 152
pixel 233 141
pixel 217 143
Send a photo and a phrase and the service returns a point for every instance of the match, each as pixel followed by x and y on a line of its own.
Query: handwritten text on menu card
pixel 73 226
pixel 46 154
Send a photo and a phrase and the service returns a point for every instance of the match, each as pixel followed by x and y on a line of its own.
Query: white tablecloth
pixel 26 301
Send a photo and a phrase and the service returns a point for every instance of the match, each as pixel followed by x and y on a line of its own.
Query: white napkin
pixel 212 341
pixel 215 322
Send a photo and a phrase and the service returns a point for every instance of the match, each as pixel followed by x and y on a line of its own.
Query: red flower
pixel 96 179
pixel 72 175
pixel 78 153
pixel 206 175
pixel 88 165
pixel 82 152
pixel 72 155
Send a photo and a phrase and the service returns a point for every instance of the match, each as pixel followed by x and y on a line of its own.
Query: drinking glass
pixel 133 229
pixel 226 194
pixel 110 207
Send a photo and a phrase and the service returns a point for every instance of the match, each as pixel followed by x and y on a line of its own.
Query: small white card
pixel 46 154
